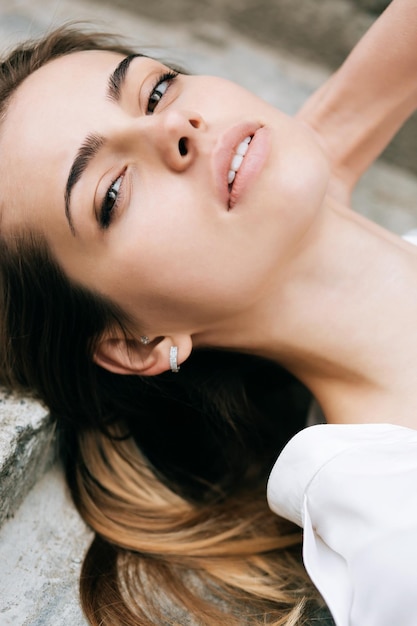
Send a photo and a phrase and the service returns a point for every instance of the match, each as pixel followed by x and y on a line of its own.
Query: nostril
pixel 182 146
pixel 195 123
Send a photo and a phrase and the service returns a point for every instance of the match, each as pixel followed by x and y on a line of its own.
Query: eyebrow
pixel 93 143
pixel 85 154
pixel 118 77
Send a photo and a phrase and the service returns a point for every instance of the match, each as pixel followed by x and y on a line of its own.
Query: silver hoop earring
pixel 173 359
pixel 145 340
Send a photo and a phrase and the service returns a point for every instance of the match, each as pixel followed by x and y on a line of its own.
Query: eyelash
pixel 167 77
pixel 113 193
pixel 106 211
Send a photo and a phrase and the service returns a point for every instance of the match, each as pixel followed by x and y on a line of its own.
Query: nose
pixel 175 135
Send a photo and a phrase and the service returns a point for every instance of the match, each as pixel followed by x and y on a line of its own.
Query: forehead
pixel 72 83
pixel 47 119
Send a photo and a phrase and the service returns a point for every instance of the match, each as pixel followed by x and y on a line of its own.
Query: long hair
pixel 169 471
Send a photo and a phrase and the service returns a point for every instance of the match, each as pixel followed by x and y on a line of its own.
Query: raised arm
pixel 364 103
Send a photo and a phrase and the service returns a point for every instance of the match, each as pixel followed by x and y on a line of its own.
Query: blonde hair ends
pixel 158 559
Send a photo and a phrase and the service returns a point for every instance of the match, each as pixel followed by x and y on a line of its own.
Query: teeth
pixel 243 146
pixel 236 162
pixel 237 159
pixel 230 176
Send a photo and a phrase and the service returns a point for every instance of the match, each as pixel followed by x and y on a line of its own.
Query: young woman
pixel 173 248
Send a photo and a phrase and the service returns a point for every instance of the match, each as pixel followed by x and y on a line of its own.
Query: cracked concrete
pixel 41 551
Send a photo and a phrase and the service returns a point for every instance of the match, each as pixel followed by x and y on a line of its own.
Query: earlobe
pixel 144 358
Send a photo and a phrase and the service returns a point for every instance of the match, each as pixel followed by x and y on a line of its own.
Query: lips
pixel 225 161
pixel 237 160
pixel 252 164
pixel 235 173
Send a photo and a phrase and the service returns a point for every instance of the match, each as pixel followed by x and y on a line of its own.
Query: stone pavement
pixel 41 550
pixel 42 545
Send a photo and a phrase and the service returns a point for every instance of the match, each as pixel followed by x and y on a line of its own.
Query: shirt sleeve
pixel 353 488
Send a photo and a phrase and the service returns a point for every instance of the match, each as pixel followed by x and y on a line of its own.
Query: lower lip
pixel 252 163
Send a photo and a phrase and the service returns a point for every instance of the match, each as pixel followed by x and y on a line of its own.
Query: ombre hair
pixel 169 471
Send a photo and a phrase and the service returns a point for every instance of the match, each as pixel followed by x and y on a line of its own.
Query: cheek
pixel 298 179
pixel 189 269
pixel 305 181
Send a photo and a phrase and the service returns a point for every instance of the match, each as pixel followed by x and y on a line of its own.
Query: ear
pixel 130 356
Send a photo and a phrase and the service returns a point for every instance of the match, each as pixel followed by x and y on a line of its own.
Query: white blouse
pixel 353 489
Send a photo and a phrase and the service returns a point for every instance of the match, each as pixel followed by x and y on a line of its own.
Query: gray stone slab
pixel 41 551
pixel 26 448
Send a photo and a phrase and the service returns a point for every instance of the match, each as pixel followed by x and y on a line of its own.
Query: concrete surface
pixel 41 551
pixel 42 546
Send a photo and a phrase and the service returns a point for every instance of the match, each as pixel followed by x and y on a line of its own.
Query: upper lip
pixel 223 153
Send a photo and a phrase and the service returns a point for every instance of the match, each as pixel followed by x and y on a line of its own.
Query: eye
pixel 159 90
pixel 110 202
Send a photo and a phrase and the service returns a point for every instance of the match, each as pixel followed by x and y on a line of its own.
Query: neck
pixel 343 319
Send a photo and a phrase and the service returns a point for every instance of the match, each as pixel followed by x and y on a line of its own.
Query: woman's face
pixel 124 169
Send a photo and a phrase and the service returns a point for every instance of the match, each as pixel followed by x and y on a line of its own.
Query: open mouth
pixel 237 160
